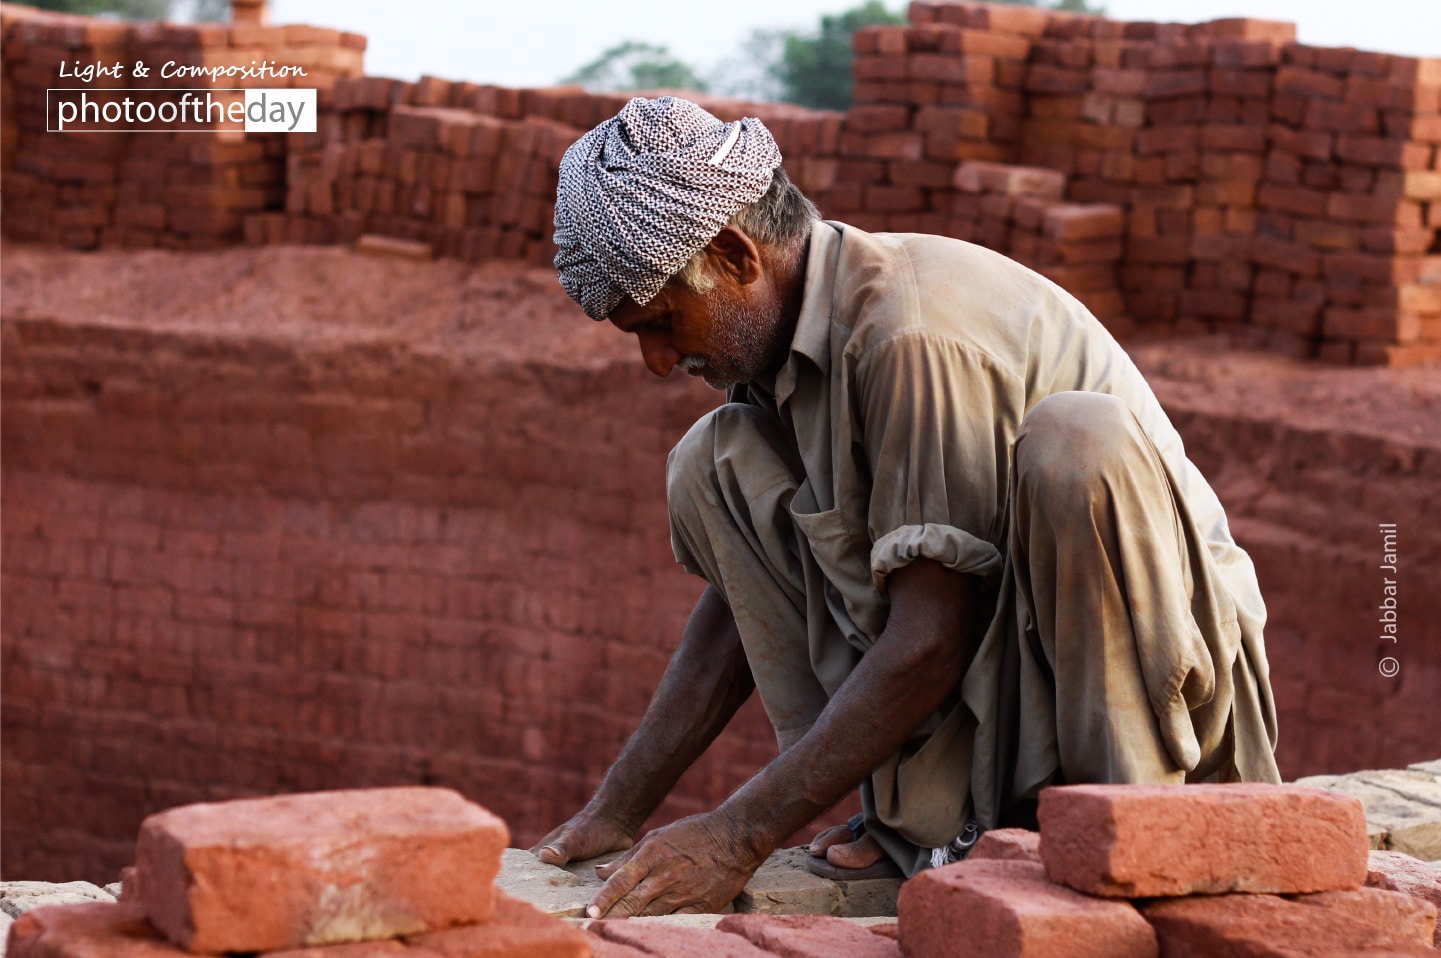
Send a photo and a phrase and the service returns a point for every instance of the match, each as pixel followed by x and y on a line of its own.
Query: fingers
pixel 607 869
pixel 834 835
pixel 622 895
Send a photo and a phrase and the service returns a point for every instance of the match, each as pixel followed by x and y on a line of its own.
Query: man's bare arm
pixel 702 862
pixel 706 681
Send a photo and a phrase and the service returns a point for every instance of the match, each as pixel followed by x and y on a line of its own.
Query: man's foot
pixel 847 853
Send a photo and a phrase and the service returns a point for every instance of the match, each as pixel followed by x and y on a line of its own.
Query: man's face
pixel 726 336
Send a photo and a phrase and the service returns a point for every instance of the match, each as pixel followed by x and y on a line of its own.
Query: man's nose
pixel 655 349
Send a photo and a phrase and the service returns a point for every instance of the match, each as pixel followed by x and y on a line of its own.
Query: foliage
pixel 127 9
pixel 814 69
pixel 633 65
pixel 195 10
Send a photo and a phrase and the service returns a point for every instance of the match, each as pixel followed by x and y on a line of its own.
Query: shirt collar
pixel 812 338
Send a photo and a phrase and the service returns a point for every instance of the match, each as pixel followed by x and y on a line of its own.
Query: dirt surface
pixel 507 311
pixel 510 312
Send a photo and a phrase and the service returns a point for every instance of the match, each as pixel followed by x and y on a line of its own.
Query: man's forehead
pixel 628 312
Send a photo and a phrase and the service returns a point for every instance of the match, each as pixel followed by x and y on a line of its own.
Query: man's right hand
pixel 588 835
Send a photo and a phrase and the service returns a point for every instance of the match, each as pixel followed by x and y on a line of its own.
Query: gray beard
pixel 745 339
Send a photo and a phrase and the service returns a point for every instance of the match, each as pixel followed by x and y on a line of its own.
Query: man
pixel 949 534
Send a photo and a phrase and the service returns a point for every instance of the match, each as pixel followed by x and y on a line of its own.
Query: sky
pixel 522 43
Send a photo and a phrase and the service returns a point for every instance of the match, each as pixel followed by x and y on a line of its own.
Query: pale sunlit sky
pixel 536 42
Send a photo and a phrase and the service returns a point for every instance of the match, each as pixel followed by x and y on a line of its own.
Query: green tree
pixel 126 9
pixel 633 65
pixel 814 68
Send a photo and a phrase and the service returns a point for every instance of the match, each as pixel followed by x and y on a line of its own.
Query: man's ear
pixel 736 255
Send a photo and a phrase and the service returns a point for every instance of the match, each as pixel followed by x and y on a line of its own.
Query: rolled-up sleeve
pixel 938 417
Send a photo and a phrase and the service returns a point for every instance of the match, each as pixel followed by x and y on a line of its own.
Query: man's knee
pixel 694 469
pixel 1071 440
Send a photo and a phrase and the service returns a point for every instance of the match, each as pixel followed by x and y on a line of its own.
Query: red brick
pixel 1374 209
pixel 515 929
pixel 675 941
pixel 296 870
pixel 809 936
pixel 1393 912
pixel 1007 844
pixel 99 930
pixel 1152 840
pixel 604 948
pixel 1396 871
pixel 979 177
pixel 878 118
pixel 1008 908
pixel 1264 926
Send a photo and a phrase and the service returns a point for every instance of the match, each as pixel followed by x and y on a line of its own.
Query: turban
pixel 642 193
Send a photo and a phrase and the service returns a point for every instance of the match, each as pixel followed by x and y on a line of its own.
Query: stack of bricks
pixel 1351 205
pixel 466 185
pixel 927 97
pixel 350 874
pixel 470 171
pixel 1019 211
pixel 185 190
pixel 1180 870
pixel 1169 120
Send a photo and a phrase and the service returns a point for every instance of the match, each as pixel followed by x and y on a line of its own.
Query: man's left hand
pixel 694 865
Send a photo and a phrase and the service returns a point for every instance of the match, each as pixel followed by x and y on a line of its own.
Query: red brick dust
pixel 809 936
pixel 1138 841
pixel 294 870
pixel 674 941
pixel 1395 871
pixel 1007 844
pixel 516 930
pixel 99 930
pixel 1009 909
pixel 1407 918
pixel 1261 926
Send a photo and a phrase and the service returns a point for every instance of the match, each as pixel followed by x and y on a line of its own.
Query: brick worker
pixel 949 534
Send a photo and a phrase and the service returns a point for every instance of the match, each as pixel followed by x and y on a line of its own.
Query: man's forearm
pixel 704 684
pixel 927 645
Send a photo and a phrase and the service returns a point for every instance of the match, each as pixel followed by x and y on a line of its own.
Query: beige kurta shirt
pixel 913 363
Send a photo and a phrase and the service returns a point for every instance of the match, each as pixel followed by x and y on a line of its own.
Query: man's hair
pixel 780 220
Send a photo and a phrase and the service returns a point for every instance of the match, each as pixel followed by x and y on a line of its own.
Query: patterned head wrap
pixel 640 194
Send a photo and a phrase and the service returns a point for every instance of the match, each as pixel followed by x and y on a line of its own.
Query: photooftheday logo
pixel 159 110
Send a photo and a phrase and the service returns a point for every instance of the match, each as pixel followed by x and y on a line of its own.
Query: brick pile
pixel 1172 870
pixel 1018 211
pixel 1351 203
pixel 349 874
pixel 187 190
pixel 470 171
pixel 465 184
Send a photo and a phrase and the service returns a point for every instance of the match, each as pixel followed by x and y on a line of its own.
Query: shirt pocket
pixel 843 558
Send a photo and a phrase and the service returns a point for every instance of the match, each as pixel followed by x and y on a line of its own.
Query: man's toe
pixel 823 842
pixel 860 853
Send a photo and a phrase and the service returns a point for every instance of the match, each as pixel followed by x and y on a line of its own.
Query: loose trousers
pixel 1112 653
